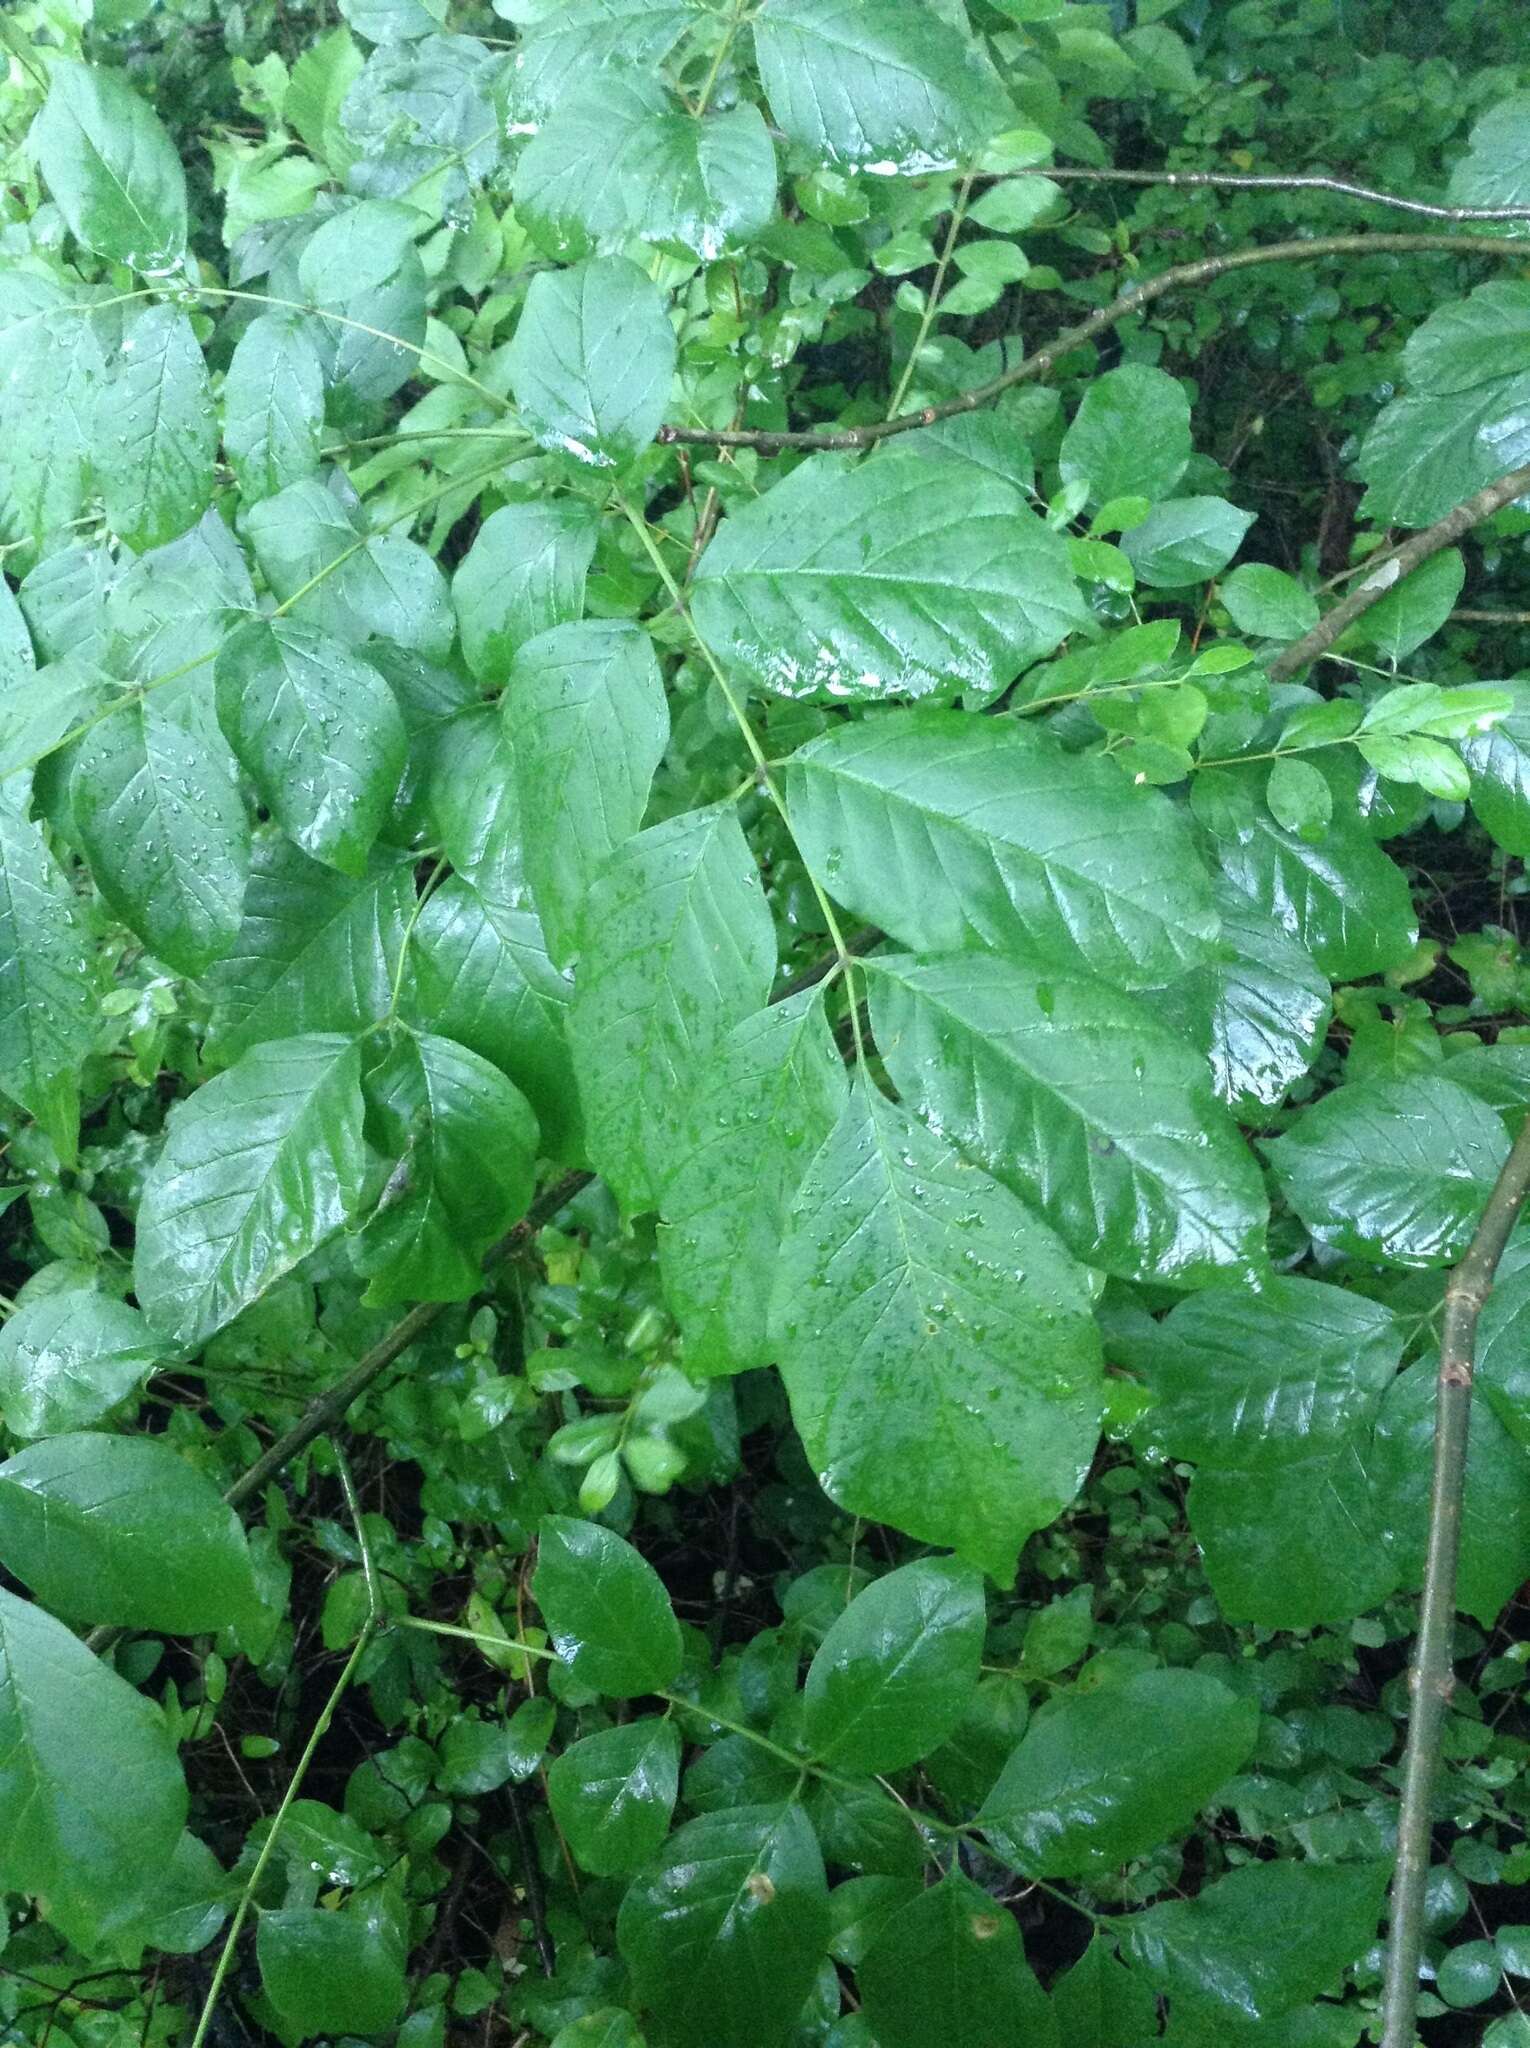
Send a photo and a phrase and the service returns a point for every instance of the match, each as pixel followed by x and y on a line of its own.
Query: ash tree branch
pixel 1398 563
pixel 1431 1678
pixel 1268 181
pixel 1179 277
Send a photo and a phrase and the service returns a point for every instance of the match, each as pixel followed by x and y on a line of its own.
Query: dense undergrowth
pixel 780 1105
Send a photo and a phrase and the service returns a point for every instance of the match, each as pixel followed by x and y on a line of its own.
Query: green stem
pixel 932 298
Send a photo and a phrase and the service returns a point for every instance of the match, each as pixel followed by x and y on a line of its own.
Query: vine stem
pixel 1431 1679
pixel 1399 563
pixel 1269 181
pixel 932 297
pixel 1180 277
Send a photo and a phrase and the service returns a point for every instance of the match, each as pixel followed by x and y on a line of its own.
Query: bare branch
pixel 1180 277
pixel 1270 181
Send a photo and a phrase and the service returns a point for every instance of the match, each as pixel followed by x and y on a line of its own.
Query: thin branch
pixel 1181 276
pixel 1432 1679
pixel 1272 181
pixel 1399 563
pixel 1492 618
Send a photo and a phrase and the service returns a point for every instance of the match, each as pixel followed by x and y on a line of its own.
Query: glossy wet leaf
pixel 165 832
pixel 54 371
pixel 319 733
pixel 769 1098
pixel 1395 1171
pixel 621 159
pixel 935 1340
pixel 953 831
pixel 725 1930
pixel 605 1608
pixel 892 1677
pixel 1101 1777
pixel 1082 1103
pixel 687 949
pixel 1262 1939
pixel 121 1529
pixel 331 1972
pixel 156 431
pixel 1130 436
pixel 1339 896
pixel 112 168
pixel 1267 603
pixel 585 709
pixel 906 576
pixel 565 45
pixel 876 85
pixel 316 950
pixel 612 1794
pixel 1185 540
pixel 593 359
pixel 273 406
pixel 463 1140
pixel 481 975
pixel 950 1966
pixel 67 1359
pixel 66 1831
pixel 259 1167
pixel 1499 761
pixel 47 1008
pixel 332 572
pixel 523 574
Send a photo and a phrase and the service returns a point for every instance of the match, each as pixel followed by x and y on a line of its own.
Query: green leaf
pixel 613 1793
pixel 1266 603
pixel 112 168
pixel 356 250
pixel 1499 761
pixel 1100 2003
pixel 725 1931
pixel 332 1972
pixel 1103 1776
pixel 122 1529
pixel 48 405
pixel 156 431
pixel 909 575
pixel 953 831
pixel 566 44
pixel 1082 1103
pixel 1413 610
pixel 1264 1938
pixel 592 360
pixel 1496 169
pixel 1429 763
pixel 523 574
pixel 465 1142
pixel 1274 1396
pixel 887 86
pixel 1300 801
pixel 769 1097
pixel 606 1610
pixel 47 1011
pixel 273 406
pixel 935 1340
pixel 1462 422
pixel 319 733
pixel 686 951
pixel 1130 437
pixel 1340 898
pixel 622 160
pixel 68 1358
pixel 329 572
pixel 1185 540
pixel 1260 1007
pixel 481 975
pixel 1495 1516
pixel 1395 1171
pixel 894 1674
pixel 259 1167
pixel 316 90
pixel 585 708
pixel 317 950
pixel 949 1967
pixel 165 833
pixel 92 1801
